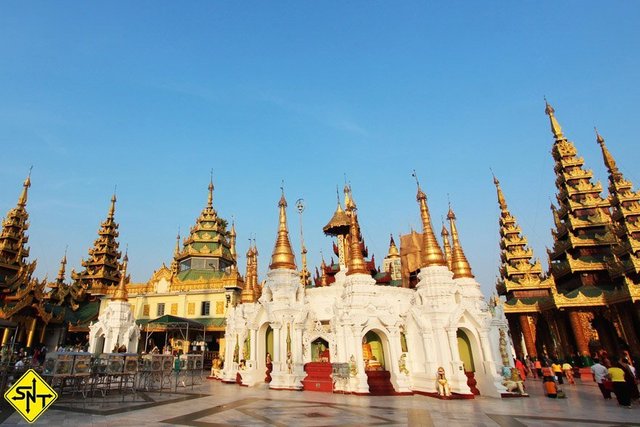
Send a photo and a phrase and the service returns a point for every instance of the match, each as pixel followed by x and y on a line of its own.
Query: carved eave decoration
pixel 520 307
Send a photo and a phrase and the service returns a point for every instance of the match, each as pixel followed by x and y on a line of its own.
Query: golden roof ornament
pixel 120 293
pixel 555 126
pixel 61 272
pixel 339 223
pixel 501 200
pixel 459 264
pixel 609 161
pixel 112 207
pixel 446 244
pixel 431 253
pixel 22 201
pixel 210 198
pixel 393 249
pixel 232 242
pixel 356 263
pixel 282 257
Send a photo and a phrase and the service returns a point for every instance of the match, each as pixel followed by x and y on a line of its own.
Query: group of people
pixel 613 374
pixel 620 377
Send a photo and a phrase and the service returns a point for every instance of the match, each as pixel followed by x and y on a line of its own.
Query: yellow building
pixel 201 284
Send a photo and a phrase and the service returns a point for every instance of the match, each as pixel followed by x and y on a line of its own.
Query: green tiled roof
pixel 194 274
pixel 213 321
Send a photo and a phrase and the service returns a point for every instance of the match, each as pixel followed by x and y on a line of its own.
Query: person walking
pixel 557 371
pixel 531 367
pixel 630 379
pixel 620 386
pixel 538 366
pixel 567 369
pixel 600 374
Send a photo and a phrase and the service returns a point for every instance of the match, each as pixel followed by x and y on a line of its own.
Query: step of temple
pixel 318 377
pixel 380 383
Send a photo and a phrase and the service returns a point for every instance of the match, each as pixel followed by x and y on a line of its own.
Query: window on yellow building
pixel 161 309
pixel 205 308
pixel 191 308
pixel 145 310
pixel 174 309
pixel 219 307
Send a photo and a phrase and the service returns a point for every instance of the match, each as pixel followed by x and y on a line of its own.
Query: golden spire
pixel 356 263
pixel 210 198
pixel 609 161
pixel 112 207
pixel 323 277
pixel 393 249
pixel 555 126
pixel 63 264
pixel 121 291
pixel 459 264
pixel 22 201
pixel 176 250
pixel 447 245
pixel 501 200
pixel 282 257
pixel 431 252
pixel 232 240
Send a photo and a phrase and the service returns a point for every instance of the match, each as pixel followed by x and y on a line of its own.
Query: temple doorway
pixel 466 352
pixel 99 349
pixel 373 352
pixel 608 336
pixel 320 350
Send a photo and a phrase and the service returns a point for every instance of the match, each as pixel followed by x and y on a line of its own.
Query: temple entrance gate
pixel 466 351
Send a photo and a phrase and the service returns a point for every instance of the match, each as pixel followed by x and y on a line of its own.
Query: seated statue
pixel 513 383
pixel 442 383
pixel 402 364
pixel 373 364
pixel 353 368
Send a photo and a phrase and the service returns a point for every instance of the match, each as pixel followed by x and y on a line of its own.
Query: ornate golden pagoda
pixel 120 293
pixel 15 271
pixel 356 263
pixel 582 238
pixel 459 263
pixel 446 244
pixel 207 252
pixel 282 257
pixel 625 206
pixel 101 272
pixel 393 249
pixel 431 253
pixel 251 277
pixel 521 280
pixel 338 226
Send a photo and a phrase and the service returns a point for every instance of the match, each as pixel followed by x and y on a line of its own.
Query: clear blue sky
pixel 151 96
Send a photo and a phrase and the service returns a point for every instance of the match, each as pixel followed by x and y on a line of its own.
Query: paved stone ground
pixel 216 404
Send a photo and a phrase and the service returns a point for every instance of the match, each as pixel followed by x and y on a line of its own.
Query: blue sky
pixel 150 96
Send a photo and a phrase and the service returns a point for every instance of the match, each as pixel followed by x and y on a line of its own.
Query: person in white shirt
pixel 600 373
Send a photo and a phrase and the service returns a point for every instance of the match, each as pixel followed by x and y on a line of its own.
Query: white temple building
pixel 391 335
pixel 116 325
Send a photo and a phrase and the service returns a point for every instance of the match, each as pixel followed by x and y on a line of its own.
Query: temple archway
pixel 607 335
pixel 466 353
pixel 373 352
pixel 320 350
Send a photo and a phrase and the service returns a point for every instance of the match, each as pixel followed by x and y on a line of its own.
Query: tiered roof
pixel 521 278
pixel 582 238
pixel 625 206
pixel 101 272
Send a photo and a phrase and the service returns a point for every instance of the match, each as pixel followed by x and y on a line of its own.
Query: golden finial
pixel 210 198
pixel 609 161
pixel 393 249
pixel 459 264
pixel 232 239
pixel 555 126
pixel 121 291
pixel 112 207
pixel 431 252
pixel 282 257
pixel 501 200
pixel 176 251
pixel 446 244
pixel 22 201
pixel 356 263
pixel 63 264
